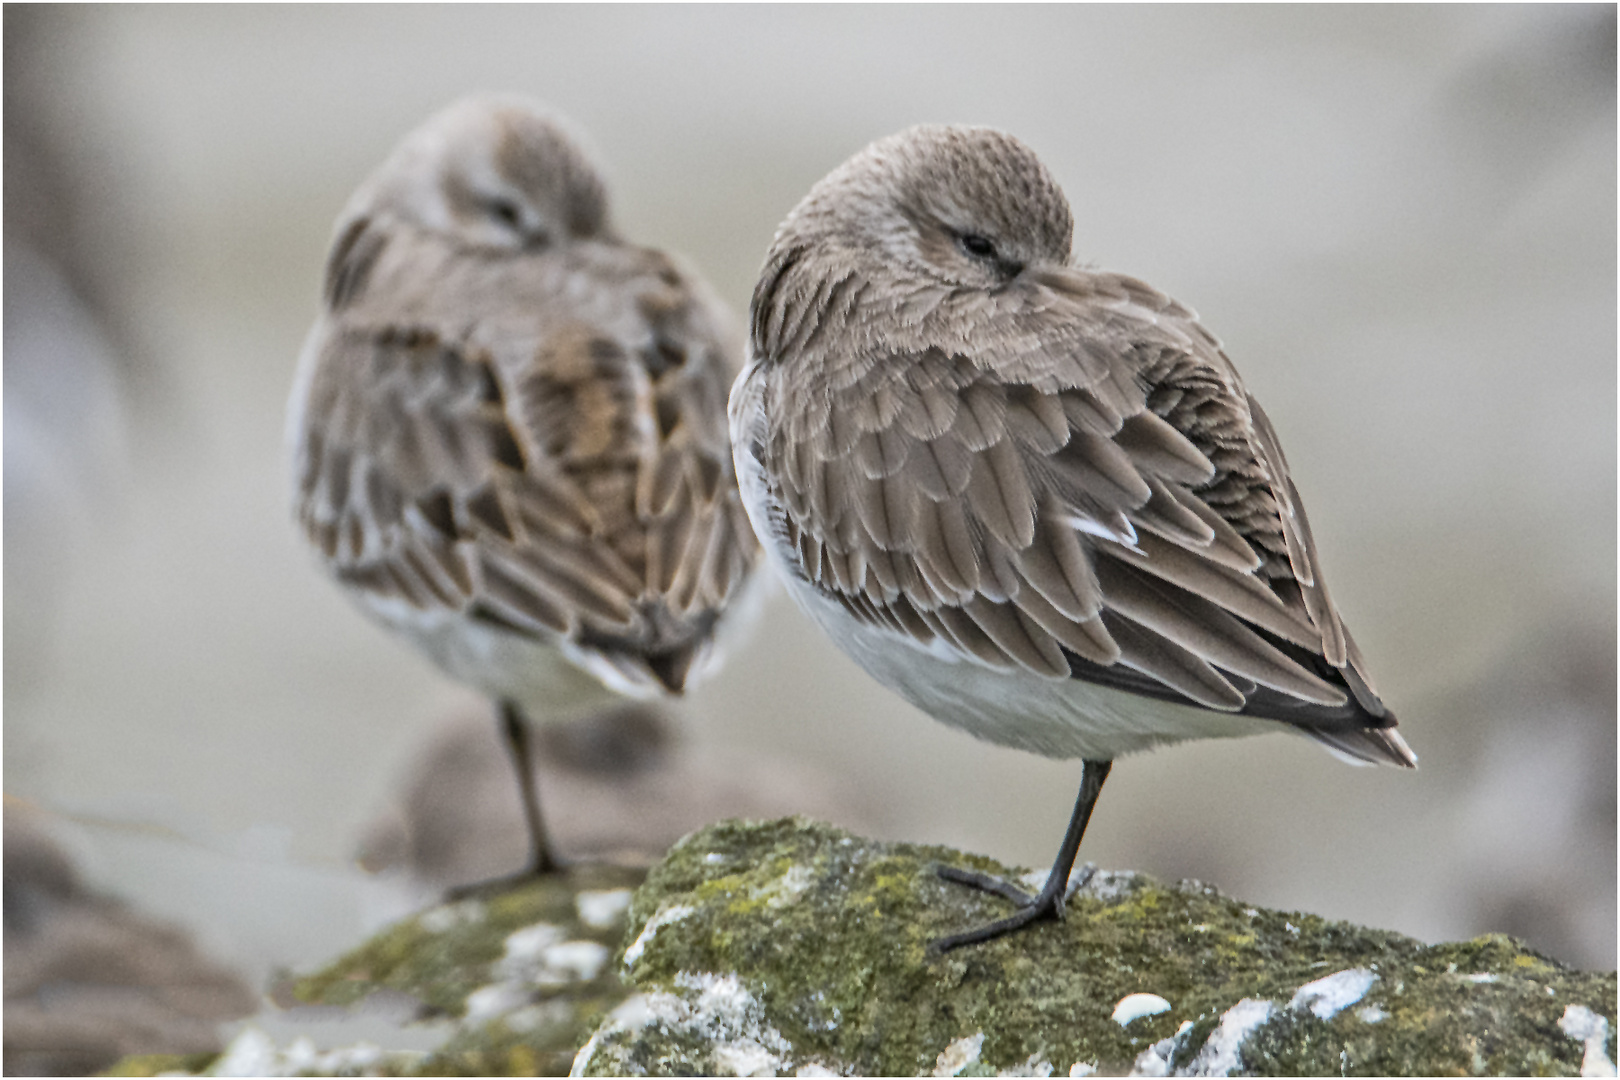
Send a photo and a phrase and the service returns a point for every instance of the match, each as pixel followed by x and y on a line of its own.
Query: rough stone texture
pixel 791 946
pixel 794 947
pixel 518 979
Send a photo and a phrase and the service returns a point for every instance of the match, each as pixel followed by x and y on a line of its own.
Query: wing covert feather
pixel 1107 504
pixel 574 482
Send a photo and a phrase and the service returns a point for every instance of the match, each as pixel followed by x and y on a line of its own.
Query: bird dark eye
pixel 978 246
pixel 505 211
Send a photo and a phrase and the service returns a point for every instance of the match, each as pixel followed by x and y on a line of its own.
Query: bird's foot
pixel 1047 904
pixel 483 890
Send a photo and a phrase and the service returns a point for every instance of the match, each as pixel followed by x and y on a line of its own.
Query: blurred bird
pixel 1035 500
pixel 508 428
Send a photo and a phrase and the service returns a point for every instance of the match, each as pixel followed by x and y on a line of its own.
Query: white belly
pixel 542 678
pixel 1059 718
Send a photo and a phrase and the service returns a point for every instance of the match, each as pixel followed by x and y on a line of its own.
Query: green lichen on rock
pixel 790 945
pixel 527 971
pixel 442 955
pixel 518 977
pixel 160 1064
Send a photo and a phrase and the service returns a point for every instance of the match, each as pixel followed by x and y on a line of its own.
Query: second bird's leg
pixel 515 734
pixel 1048 903
pixel 516 730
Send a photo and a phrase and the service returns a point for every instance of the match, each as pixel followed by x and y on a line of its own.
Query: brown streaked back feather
pixel 1070 480
pixel 522 446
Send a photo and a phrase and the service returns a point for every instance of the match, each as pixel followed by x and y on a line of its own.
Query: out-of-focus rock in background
pixel 1400 221
pixel 87 980
pixel 618 786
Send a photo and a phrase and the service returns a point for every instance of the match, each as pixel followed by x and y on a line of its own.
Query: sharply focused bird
pixel 1033 499
pixel 508 428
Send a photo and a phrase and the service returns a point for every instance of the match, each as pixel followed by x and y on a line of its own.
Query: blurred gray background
pixel 1401 222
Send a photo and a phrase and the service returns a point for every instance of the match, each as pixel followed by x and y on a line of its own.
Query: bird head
pixel 497 172
pixel 966 206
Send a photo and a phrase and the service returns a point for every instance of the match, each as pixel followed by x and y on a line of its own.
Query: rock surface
pixel 88 979
pixel 793 947
pixel 513 981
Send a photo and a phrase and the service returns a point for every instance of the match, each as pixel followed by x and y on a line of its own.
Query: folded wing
pixel 1108 504
pixel 585 493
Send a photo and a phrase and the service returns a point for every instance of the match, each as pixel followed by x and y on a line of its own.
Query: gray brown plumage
pixel 1034 499
pixel 508 427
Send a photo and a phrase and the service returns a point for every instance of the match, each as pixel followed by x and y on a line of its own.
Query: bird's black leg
pixel 1048 904
pixel 516 730
pixel 515 733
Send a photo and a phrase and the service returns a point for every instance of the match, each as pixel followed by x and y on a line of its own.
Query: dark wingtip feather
pixel 1367 746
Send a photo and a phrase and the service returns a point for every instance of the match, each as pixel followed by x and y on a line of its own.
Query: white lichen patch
pixel 665 916
pixel 449 916
pixel 634 1012
pixel 1221 1052
pixel 1479 977
pixel 959 1055
pixel 496 999
pixel 253 1053
pixel 537 956
pixel 1135 1006
pixel 1331 994
pixel 1109 885
pixel 786 888
pixel 744 1057
pixel 1581 1023
pixel 1155 1060
pixel 1034 881
pixel 727 1013
pixel 534 958
pixel 571 961
pixel 813 1069
pixel 302 1059
pixel 715 1011
pixel 524 948
pixel 601 909
pixel 1371 1014
pixel 1083 1068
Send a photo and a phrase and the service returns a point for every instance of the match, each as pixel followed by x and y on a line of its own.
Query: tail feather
pixel 1367 746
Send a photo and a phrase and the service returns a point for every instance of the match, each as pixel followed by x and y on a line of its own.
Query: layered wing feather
pixel 1080 488
pixel 555 477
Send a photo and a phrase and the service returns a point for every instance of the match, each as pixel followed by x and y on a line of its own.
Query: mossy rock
pixel 160 1064
pixel 794 947
pixel 791 946
pixel 520 977
pixel 525 973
